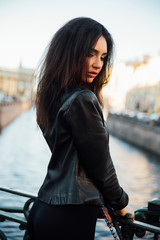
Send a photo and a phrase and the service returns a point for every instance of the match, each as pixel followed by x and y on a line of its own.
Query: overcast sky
pixel 26 26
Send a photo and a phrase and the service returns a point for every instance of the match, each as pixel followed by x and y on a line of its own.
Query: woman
pixel 81 175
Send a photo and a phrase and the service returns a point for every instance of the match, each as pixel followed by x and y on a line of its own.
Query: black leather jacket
pixel 80 170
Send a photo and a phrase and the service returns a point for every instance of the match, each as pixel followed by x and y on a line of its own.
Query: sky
pixel 26 27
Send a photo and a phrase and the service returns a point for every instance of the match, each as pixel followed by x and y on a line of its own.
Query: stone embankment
pixel 9 111
pixel 138 133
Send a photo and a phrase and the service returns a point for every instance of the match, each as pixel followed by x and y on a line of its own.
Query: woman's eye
pixel 103 58
pixel 90 55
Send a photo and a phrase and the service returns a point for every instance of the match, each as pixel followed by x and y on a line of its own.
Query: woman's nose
pixel 98 63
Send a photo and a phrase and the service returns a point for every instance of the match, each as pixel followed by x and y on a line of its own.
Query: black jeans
pixel 60 222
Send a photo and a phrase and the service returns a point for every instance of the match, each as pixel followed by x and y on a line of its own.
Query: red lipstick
pixel 92 74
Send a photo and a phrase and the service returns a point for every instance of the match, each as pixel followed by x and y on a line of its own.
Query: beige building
pixel 144 99
pixel 16 82
pixel 145 94
pixel 135 85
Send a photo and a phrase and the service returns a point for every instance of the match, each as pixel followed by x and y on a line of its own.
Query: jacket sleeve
pixel 91 139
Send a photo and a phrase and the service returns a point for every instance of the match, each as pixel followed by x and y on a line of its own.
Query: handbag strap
pixel 115 224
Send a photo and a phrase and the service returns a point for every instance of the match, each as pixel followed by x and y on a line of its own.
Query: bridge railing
pixel 10 212
pixel 129 228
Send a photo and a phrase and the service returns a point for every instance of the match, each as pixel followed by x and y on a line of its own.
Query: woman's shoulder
pixel 82 103
pixel 82 94
pixel 80 99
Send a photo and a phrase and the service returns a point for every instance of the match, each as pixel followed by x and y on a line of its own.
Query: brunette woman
pixel 81 176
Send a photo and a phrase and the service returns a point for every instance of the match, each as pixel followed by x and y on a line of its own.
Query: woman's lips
pixel 92 74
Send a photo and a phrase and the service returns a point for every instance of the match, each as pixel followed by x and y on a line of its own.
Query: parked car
pixel 154 119
pixel 142 117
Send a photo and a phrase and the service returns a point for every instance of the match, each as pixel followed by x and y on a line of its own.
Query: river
pixel 24 157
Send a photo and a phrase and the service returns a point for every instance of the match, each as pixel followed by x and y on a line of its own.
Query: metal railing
pixel 9 212
pixel 128 227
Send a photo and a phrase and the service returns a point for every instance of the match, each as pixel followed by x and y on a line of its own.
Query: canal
pixel 23 162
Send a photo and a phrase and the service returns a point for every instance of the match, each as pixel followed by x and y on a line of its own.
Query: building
pixel 16 93
pixel 144 99
pixel 145 94
pixel 16 83
pixel 135 86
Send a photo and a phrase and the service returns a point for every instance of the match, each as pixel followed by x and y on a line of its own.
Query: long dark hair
pixel 64 61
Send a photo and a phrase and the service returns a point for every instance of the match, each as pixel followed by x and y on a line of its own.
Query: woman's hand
pixel 125 212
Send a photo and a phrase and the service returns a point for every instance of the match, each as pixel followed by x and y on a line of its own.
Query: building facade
pixel 17 83
pixel 135 86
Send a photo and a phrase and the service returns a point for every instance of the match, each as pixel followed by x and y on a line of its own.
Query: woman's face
pixel 95 60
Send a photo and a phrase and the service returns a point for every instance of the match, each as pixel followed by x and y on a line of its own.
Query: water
pixel 23 163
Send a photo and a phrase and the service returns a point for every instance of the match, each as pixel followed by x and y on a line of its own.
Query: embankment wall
pixel 138 133
pixel 9 111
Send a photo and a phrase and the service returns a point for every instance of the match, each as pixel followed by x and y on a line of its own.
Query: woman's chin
pixel 89 80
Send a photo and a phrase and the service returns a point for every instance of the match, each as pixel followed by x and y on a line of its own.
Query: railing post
pixel 2 236
pixel 156 236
